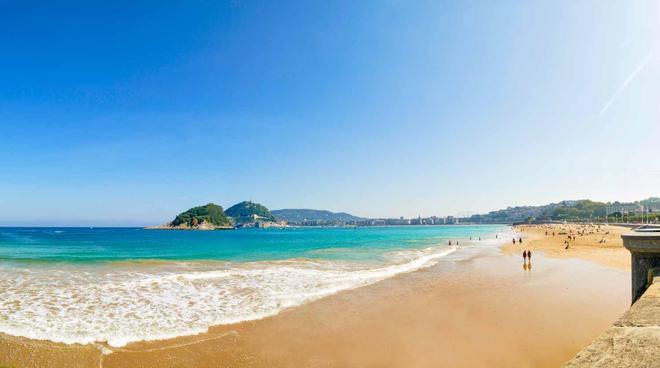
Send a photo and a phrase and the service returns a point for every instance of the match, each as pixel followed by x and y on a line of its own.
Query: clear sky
pixel 120 113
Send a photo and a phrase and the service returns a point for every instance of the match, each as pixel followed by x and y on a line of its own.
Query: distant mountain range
pixel 251 214
pixel 570 211
pixel 306 215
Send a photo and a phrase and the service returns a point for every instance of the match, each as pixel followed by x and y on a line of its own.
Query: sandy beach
pixel 487 311
pixel 597 243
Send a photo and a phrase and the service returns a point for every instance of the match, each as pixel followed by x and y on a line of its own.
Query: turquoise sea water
pixel 81 285
pixel 122 244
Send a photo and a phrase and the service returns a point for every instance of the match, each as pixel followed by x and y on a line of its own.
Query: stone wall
pixel 633 340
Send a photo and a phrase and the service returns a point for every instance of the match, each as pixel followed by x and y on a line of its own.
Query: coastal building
pixel 397 222
pixel 627 208
pixel 267 224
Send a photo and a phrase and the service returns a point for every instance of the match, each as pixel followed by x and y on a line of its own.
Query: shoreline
pixel 106 306
pixel 398 312
pixel 359 277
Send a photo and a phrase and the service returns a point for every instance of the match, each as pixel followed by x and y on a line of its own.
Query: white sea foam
pixel 119 304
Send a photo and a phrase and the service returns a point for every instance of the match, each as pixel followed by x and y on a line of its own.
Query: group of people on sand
pixel 574 231
pixel 450 243
pixel 527 255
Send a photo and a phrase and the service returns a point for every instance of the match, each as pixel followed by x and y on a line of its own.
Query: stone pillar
pixel 644 247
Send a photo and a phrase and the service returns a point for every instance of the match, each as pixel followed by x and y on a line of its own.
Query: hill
pixel 248 211
pixel 583 209
pixel 299 216
pixel 208 217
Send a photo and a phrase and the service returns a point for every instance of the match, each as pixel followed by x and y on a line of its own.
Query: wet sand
pixel 484 312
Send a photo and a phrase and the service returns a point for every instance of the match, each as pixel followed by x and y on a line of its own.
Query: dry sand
pixel 587 244
pixel 484 312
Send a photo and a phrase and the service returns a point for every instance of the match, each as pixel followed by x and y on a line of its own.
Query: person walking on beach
pixel 514 240
pixel 520 240
pixel 527 260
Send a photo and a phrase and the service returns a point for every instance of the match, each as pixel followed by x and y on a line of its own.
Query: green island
pixel 248 212
pixel 213 217
pixel 207 217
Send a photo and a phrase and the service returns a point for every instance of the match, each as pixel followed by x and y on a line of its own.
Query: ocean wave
pixel 119 304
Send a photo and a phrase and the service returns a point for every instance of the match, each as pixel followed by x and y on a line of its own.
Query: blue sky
pixel 125 113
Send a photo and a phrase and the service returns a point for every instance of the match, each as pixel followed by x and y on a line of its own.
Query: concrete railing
pixel 644 247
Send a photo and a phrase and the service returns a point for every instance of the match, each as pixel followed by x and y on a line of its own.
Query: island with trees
pixel 214 217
